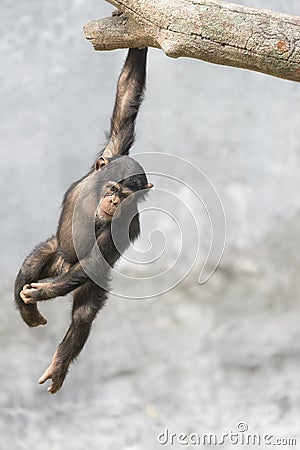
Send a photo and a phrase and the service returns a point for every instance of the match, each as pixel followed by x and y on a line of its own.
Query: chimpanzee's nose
pixel 114 201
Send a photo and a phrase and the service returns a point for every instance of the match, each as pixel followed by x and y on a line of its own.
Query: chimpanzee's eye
pixel 111 189
pixel 126 193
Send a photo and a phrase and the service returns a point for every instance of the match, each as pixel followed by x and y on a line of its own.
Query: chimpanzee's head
pixel 122 178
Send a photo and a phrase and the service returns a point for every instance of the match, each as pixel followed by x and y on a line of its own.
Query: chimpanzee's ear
pixel 101 162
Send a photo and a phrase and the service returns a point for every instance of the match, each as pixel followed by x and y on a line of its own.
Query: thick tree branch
pixel 214 31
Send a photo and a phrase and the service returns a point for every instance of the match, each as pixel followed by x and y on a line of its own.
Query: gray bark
pixel 213 31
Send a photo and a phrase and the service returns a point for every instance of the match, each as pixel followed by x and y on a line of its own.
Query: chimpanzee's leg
pixel 88 300
pixel 38 264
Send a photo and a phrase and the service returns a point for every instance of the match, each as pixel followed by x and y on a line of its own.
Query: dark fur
pixel 56 262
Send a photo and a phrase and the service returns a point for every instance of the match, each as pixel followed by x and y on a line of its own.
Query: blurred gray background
pixel 200 358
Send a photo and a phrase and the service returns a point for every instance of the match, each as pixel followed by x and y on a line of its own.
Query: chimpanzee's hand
pixel 33 292
pixel 57 373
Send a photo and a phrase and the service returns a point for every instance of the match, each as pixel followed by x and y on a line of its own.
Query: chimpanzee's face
pixel 114 193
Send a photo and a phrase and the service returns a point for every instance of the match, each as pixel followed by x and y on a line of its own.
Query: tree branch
pixel 213 31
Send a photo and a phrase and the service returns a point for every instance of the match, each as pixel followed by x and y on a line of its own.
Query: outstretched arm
pixel 129 97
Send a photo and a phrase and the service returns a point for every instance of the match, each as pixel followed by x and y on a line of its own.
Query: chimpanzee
pixel 107 196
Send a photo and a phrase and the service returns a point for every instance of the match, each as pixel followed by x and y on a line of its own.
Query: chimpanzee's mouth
pixel 108 213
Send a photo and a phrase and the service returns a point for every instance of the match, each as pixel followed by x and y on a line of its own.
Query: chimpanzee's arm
pixel 71 280
pixel 56 287
pixel 97 264
pixel 129 96
pixel 103 256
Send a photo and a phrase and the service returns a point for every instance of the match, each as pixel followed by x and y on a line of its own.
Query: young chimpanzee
pixel 79 257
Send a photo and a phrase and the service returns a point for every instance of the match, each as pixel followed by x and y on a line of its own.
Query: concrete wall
pixel 199 358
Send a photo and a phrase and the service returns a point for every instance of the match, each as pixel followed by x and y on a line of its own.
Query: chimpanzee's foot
pixel 57 373
pixel 32 316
